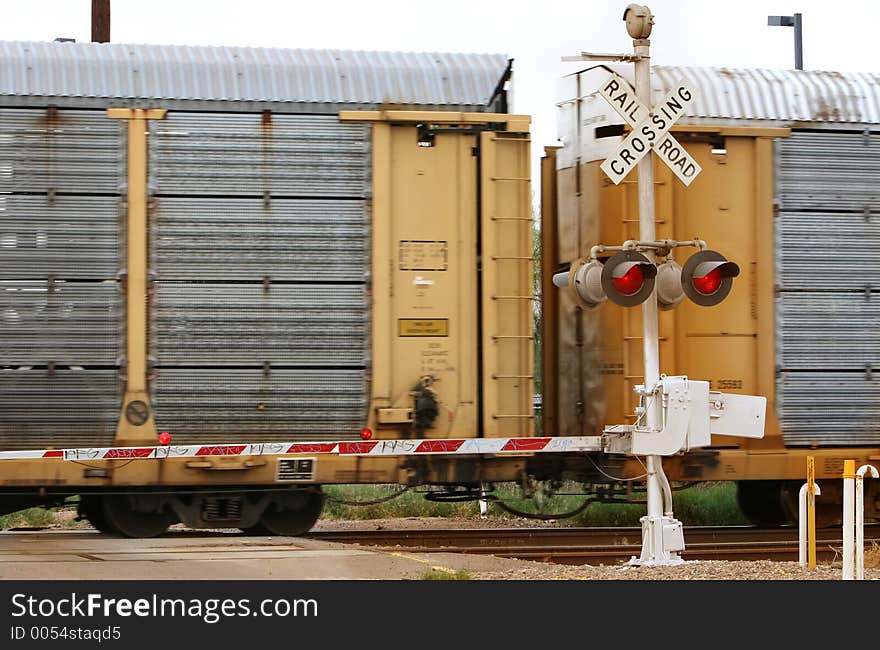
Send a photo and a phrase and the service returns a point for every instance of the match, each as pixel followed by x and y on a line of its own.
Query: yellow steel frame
pixel 136 423
pixel 507 344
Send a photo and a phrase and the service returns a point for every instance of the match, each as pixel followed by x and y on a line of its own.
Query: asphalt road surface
pixel 87 555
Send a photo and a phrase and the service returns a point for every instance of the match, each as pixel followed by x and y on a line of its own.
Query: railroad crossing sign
pixel 650 130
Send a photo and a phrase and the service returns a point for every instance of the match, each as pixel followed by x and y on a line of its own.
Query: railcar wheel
pixel 294 513
pixel 762 502
pixel 90 507
pixel 122 515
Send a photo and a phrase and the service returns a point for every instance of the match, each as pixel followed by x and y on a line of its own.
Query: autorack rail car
pixel 790 170
pixel 256 261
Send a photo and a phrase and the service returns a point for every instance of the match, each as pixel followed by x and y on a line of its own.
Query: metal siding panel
pixel 261 311
pixel 72 325
pixel 829 171
pixel 246 239
pixel 71 408
pixel 254 155
pixel 828 330
pixel 245 405
pixel 817 251
pixel 829 408
pixel 71 237
pixel 826 314
pixel 61 313
pixel 68 151
pixel 226 324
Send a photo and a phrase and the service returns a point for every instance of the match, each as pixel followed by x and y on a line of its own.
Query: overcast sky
pixel 837 35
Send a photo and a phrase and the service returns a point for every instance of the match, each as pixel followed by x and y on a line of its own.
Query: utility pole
pixel 100 21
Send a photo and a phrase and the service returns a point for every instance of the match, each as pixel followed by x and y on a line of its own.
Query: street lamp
pixel 796 22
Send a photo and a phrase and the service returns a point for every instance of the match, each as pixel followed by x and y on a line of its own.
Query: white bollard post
pixel 860 517
pixel 849 476
pixel 802 522
pixel 484 502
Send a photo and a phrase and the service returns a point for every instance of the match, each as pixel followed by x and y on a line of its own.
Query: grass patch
pixel 435 574
pixel 409 504
pixel 705 504
pixel 30 518
pixel 709 504
pixel 63 516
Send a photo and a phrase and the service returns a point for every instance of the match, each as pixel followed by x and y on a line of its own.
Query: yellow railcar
pixel 248 256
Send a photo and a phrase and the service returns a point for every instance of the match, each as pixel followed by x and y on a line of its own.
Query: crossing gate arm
pixel 437 447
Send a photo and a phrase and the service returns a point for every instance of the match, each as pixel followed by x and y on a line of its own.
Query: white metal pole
pixel 802 525
pixel 860 517
pixel 849 476
pixel 860 527
pixel 647 232
pixel 484 502
pixel 803 496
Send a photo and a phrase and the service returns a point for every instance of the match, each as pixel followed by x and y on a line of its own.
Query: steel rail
pixel 597 545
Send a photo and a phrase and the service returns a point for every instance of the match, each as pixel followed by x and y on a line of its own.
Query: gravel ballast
pixel 492 568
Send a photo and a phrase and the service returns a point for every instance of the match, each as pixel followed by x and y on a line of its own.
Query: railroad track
pixel 600 545
pixel 594 546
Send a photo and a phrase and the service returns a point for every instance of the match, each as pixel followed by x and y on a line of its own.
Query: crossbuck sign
pixel 650 130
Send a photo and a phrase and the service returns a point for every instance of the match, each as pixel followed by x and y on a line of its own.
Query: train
pixel 231 276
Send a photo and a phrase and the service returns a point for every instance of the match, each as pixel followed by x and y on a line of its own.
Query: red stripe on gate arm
pixel 438 446
pixel 143 452
pixel 221 450
pixel 55 453
pixel 356 447
pixel 311 448
pixel 526 444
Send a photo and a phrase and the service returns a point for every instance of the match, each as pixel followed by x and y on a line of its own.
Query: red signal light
pixel 707 277
pixel 709 283
pixel 630 282
pixel 366 434
pixel 628 278
pixel 164 438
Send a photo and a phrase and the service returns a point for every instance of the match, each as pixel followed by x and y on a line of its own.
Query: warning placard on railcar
pixel 423 327
pixel 423 255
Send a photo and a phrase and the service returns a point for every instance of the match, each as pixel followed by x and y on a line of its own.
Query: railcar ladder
pixel 507 295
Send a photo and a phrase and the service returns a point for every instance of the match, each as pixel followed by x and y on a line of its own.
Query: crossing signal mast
pixel 675 414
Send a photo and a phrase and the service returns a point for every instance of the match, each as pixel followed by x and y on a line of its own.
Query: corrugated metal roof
pixel 90 74
pixel 785 97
